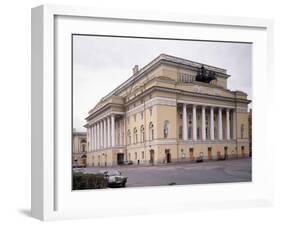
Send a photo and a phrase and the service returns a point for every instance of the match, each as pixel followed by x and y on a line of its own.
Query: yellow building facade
pixel 168 112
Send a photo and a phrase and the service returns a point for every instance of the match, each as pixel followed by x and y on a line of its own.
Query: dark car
pixel 114 178
pixel 76 165
pixel 199 159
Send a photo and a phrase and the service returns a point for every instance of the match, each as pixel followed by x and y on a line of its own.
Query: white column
pixel 90 137
pixel 99 134
pixel 105 133
pixel 194 123
pixel 112 130
pixel 102 135
pixel 233 125
pixel 220 124
pixel 108 132
pixel 203 123
pixel 212 128
pixel 95 137
pixel 124 131
pixel 227 125
pixel 184 119
pixel 120 132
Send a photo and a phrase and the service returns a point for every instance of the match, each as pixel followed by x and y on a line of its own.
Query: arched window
pixel 151 131
pixel 142 133
pixel 129 137
pixel 135 135
pixel 83 143
pixel 242 131
pixel 166 129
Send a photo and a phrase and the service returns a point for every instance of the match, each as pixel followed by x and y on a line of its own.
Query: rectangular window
pixel 180 115
pixel 150 111
pixel 142 154
pixel 189 132
pixel 180 132
pixel 136 155
pixel 198 133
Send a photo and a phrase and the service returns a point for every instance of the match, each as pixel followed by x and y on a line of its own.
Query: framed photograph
pixel 135 112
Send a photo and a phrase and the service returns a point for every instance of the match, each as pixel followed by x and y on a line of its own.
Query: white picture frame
pixel 52 197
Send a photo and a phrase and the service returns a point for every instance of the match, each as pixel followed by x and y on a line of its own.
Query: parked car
pixel 76 165
pixel 221 158
pixel 130 162
pixel 114 178
pixel 199 159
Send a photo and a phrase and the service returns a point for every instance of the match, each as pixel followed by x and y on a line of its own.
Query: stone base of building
pixel 154 154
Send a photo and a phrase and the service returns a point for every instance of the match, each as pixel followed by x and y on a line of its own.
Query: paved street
pixel 185 173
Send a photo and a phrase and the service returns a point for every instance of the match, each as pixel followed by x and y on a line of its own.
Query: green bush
pixel 88 181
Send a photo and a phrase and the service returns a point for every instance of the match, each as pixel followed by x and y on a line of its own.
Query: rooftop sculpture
pixel 204 75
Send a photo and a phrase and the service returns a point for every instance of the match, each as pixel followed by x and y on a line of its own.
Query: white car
pixel 114 178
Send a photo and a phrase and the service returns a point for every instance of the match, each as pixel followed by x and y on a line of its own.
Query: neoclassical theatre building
pixel 170 110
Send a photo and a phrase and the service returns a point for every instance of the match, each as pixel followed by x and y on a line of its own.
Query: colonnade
pixel 203 121
pixel 102 133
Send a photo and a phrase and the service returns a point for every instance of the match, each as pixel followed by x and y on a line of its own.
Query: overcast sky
pixel 102 63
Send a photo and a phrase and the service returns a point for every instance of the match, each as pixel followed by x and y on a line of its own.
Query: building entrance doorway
pixel 225 153
pixel 243 151
pixel 120 158
pixel 209 153
pixel 219 155
pixel 168 155
pixel 191 155
pixel 151 160
pixel 84 160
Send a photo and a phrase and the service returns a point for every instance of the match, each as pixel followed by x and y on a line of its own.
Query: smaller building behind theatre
pixel 79 149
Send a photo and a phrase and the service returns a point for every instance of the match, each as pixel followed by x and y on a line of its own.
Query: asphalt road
pixel 238 170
